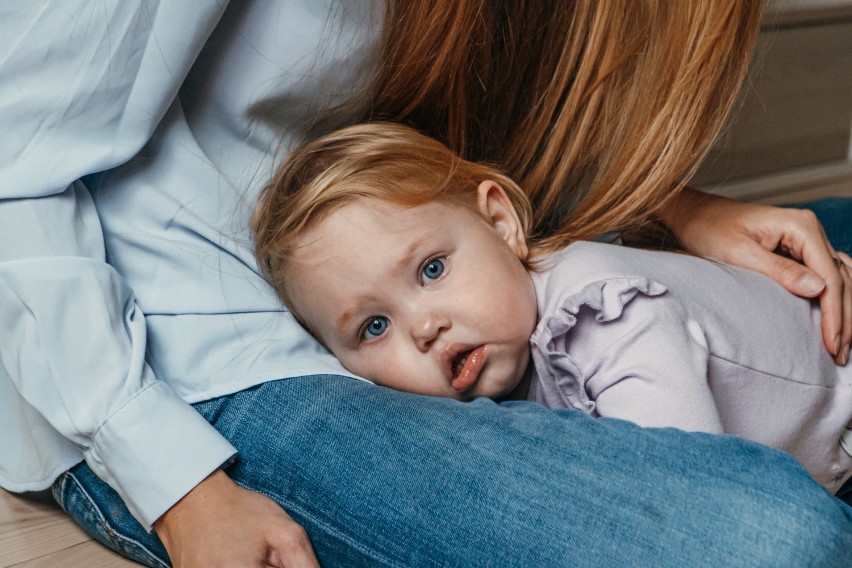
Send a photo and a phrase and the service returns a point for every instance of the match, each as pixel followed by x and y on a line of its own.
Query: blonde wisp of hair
pixel 385 161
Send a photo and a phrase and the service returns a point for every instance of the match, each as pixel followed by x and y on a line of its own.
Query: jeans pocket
pixel 75 500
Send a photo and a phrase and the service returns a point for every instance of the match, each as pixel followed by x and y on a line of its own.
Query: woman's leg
pixel 382 478
pixel 835 214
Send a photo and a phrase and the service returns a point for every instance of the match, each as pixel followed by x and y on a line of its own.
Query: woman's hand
pixel 219 523
pixel 751 236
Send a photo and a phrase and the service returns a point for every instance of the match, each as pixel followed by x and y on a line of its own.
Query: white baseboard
pixel 825 180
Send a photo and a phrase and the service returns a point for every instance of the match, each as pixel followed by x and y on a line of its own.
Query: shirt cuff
pixel 154 450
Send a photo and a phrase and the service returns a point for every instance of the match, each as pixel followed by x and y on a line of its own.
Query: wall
pixel 792 131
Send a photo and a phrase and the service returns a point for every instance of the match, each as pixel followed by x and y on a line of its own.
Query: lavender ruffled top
pixel 666 339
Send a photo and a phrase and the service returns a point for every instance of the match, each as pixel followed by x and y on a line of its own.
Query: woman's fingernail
pixel 811 285
pixel 844 358
pixel 836 345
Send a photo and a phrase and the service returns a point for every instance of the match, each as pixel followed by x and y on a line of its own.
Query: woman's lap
pixel 385 478
pixel 381 478
pixel 835 214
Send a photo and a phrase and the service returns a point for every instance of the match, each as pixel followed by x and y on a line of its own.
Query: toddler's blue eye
pixel 433 269
pixel 376 326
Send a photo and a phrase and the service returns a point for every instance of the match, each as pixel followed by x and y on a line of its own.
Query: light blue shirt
pixel 128 294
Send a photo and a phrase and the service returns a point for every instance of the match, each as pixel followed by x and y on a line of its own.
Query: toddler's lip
pixel 469 371
pixel 462 364
pixel 450 356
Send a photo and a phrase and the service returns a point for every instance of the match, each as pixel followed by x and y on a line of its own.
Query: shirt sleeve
pixel 650 367
pixel 82 87
pixel 626 348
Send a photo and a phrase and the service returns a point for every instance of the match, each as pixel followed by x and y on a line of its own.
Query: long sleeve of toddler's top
pixel 635 355
pixel 655 372
pixel 82 87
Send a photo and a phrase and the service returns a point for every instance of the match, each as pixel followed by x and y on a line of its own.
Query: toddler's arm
pixel 634 355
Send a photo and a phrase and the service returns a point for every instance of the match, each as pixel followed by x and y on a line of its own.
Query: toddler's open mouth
pixel 459 361
pixel 466 367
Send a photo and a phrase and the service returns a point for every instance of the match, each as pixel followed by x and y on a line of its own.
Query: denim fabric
pixel 835 214
pixel 382 478
pixel 97 508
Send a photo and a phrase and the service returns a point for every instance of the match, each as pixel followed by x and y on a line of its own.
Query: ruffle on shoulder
pixel 550 339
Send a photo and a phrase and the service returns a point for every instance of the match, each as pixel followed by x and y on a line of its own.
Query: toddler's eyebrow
pixel 411 252
pixel 343 320
pixel 348 314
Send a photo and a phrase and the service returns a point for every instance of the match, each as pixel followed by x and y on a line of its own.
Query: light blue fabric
pixel 126 296
pixel 384 478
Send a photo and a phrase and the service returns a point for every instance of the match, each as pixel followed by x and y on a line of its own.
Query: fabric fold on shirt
pixel 550 339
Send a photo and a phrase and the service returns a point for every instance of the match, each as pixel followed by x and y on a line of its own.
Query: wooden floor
pixel 36 533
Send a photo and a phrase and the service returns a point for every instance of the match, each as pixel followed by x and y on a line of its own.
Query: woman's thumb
pixel 795 277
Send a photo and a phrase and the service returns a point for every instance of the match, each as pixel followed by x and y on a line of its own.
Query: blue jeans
pixel 383 478
pixel 835 213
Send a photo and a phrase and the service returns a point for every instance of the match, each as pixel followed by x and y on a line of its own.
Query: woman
pixel 138 335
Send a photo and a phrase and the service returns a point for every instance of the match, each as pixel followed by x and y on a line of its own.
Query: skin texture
pixel 252 529
pixel 437 281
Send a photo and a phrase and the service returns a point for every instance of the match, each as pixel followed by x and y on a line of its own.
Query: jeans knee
pixel 809 545
pixel 818 534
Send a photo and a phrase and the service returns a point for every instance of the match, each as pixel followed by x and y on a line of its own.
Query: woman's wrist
pixel 681 208
pixel 219 523
pixel 191 507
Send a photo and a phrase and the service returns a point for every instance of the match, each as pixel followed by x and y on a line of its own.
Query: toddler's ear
pixel 497 208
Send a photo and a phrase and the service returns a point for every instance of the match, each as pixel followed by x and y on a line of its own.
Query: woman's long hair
pixel 600 109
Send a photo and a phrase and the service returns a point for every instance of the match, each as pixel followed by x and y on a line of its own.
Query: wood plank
pixel 35 532
pixel 31 527
pixel 84 555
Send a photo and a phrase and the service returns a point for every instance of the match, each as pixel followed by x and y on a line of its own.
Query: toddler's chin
pixel 505 388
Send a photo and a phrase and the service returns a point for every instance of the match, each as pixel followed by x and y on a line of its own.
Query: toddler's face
pixel 430 299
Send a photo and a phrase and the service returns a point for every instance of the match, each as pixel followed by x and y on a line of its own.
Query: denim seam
pixel 58 490
pixel 115 536
pixel 331 530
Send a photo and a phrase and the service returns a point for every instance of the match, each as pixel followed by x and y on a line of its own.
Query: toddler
pixel 413 266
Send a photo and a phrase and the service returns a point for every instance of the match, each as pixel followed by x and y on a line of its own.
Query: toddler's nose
pixel 426 330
